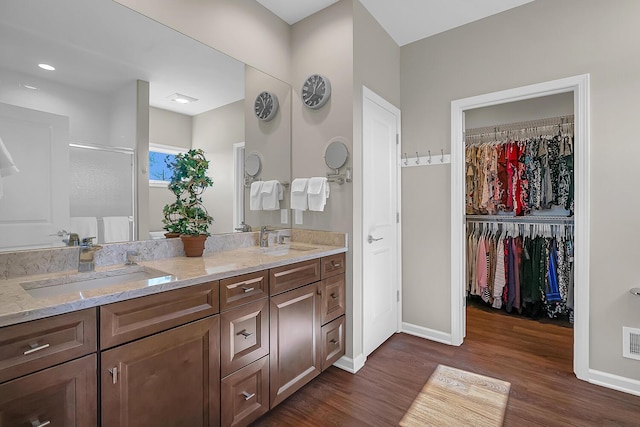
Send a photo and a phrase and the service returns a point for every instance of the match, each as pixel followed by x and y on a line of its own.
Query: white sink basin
pixel 281 249
pixel 77 283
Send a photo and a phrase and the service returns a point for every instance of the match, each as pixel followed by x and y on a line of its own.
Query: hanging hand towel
pixel 7 167
pixel 255 196
pixel 84 226
pixel 116 229
pixel 317 193
pixel 299 194
pixel 271 195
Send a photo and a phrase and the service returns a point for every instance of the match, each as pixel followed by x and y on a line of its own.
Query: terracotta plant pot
pixel 193 245
pixel 171 235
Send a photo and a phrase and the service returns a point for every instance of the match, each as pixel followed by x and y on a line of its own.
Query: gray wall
pixel 543 40
pixel 216 131
pixel 172 129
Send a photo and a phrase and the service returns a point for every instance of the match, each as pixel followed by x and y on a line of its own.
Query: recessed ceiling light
pixel 182 99
pixel 47 67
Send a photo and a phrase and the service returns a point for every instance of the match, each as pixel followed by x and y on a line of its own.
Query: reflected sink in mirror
pixel 78 283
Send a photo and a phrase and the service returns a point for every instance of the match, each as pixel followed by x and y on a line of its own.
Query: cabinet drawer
pixel 35 345
pixel 245 394
pixel 333 298
pixel 64 395
pixel 240 290
pixel 292 276
pixel 126 321
pixel 333 265
pixel 332 342
pixel 244 335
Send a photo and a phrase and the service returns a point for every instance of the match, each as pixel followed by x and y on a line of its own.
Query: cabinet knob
pixel 114 374
pixel 334 342
pixel 37 423
pixel 245 334
pixel 246 289
pixel 334 296
pixel 247 396
pixel 35 347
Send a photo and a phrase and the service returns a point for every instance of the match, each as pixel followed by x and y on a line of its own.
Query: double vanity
pixel 216 340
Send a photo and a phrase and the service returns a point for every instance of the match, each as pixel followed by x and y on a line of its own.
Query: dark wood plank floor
pixel 535 358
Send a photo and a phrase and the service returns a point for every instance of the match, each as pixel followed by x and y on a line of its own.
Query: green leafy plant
pixel 187 215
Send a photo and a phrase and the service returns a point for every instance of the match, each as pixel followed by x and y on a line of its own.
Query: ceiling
pixel 405 20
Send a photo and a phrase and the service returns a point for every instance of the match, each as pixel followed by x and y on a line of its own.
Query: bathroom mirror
pixel 252 165
pixel 336 154
pixel 88 112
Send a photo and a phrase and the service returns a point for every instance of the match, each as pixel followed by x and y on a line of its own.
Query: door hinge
pixel 398 295
pixel 397 217
pixel 397 138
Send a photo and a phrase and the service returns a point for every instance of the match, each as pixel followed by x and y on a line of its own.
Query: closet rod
pixel 551 121
pixel 520 219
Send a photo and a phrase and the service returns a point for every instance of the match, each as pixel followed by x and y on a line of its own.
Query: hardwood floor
pixel 535 358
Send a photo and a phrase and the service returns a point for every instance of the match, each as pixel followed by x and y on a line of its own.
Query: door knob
pixel 371 239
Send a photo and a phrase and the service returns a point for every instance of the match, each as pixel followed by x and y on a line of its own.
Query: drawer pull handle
pixel 114 374
pixel 37 423
pixel 245 334
pixel 334 342
pixel 334 296
pixel 246 289
pixel 247 396
pixel 335 264
pixel 34 348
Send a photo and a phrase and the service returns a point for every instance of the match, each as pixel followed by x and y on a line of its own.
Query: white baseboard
pixel 351 365
pixel 615 382
pixel 426 333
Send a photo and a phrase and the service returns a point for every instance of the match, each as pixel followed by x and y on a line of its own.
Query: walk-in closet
pixel 519 209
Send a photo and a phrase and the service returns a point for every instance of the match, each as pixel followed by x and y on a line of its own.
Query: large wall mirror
pixel 74 133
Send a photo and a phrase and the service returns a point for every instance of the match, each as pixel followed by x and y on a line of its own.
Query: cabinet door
pixel 333 298
pixel 295 354
pixel 332 342
pixel 245 394
pixel 64 395
pixel 291 276
pixel 168 379
pixel 239 290
pixel 333 265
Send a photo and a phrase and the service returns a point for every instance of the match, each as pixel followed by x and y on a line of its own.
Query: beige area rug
pixel 453 397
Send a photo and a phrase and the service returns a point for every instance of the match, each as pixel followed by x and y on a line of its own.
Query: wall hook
pixel 417 158
pixel 429 160
pixel 442 155
pixel 406 159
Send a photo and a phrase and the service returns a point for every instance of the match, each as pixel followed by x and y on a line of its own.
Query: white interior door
pixel 381 278
pixel 35 203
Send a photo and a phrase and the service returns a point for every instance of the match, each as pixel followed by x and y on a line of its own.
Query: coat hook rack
pixel 425 160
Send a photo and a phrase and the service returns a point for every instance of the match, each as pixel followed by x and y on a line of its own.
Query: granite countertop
pixel 17 305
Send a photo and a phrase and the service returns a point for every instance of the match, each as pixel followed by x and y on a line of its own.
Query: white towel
pixel 255 196
pixel 271 195
pixel 317 193
pixel 84 226
pixel 299 194
pixel 116 229
pixel 7 167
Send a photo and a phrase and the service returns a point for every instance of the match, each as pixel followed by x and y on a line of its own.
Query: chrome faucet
pixel 244 227
pixel 264 237
pixel 132 258
pixel 87 255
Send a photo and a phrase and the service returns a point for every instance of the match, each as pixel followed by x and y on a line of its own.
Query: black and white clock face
pixel 316 91
pixel 266 106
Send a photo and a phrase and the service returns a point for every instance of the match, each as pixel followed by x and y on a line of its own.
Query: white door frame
pixel 369 95
pixel 579 85
pixel 238 184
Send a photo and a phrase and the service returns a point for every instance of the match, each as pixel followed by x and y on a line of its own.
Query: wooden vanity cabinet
pixel 333 291
pixel 168 372
pixel 48 371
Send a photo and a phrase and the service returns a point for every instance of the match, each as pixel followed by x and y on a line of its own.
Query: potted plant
pixel 187 215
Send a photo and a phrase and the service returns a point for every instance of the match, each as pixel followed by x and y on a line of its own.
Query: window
pixel 159 155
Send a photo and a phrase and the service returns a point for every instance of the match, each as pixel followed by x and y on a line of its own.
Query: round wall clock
pixel 316 91
pixel 266 106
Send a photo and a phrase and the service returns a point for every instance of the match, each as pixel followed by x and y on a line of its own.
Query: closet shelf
pixel 529 219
